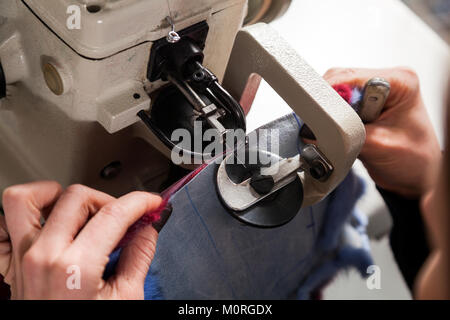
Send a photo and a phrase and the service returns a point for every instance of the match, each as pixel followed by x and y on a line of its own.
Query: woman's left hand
pixel 66 258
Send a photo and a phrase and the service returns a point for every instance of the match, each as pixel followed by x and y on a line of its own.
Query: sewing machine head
pixel 77 78
pixel 71 65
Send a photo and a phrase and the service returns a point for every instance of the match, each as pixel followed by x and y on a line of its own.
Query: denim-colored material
pixel 205 253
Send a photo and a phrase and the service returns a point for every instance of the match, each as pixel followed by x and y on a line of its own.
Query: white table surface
pixel 369 34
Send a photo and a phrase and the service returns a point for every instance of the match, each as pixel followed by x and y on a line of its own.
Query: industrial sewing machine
pixel 78 76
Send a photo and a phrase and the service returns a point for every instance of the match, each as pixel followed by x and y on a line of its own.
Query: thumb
pixel 404 82
pixel 136 257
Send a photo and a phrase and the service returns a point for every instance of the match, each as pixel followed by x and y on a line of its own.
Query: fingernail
pixel 165 215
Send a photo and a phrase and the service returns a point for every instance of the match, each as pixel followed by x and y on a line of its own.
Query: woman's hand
pixel 401 146
pixel 66 258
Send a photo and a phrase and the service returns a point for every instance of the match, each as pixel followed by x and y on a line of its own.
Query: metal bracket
pixel 241 196
pixel 340 133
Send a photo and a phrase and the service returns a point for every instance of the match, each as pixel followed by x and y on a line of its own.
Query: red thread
pixel 155 216
pixel 345 91
pixel 145 220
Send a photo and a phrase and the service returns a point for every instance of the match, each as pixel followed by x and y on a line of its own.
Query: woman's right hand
pixel 401 152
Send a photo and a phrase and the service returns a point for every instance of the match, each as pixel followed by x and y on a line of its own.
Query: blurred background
pixel 368 34
pixel 436 13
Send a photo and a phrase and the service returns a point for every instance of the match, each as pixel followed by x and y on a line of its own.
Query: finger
pixel 23 205
pixel 5 247
pixel 136 257
pixel 404 81
pixel 109 225
pixel 70 213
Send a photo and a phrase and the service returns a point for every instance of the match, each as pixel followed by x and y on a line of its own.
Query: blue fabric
pixel 205 253
pixel 357 95
pixel 343 241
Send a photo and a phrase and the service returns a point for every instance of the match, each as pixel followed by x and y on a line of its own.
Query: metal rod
pixel 189 93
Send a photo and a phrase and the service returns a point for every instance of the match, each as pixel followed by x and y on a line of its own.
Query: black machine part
pixel 276 210
pixel 263 189
pixel 161 49
pixel 194 93
pixel 273 211
pixel 161 119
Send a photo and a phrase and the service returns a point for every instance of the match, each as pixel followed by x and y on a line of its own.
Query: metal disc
pixel 274 211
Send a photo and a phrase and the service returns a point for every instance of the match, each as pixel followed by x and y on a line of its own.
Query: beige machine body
pixel 73 94
pixel 71 136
